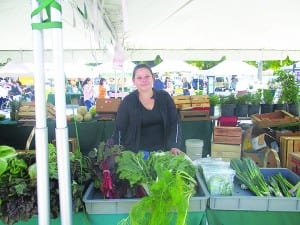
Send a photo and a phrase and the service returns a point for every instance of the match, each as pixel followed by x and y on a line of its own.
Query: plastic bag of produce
pixel 217 175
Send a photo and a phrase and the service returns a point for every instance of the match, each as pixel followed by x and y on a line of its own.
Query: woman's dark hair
pixel 102 80
pixel 86 80
pixel 139 66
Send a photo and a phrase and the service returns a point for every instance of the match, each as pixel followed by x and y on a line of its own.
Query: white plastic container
pixel 194 148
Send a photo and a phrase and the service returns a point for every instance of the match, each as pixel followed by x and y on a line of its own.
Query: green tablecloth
pixel 71 98
pixel 226 217
pixel 214 217
pixel 16 134
pixel 93 132
pixel 193 218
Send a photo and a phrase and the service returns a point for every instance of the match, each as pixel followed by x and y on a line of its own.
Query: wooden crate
pixel 225 151
pixel 227 135
pixel 288 145
pixel 110 105
pixel 275 119
pixel 194 115
pixel 182 101
pixel 27 111
pixel 200 102
pixel 294 162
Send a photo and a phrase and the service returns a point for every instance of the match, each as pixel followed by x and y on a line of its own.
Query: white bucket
pixel 194 148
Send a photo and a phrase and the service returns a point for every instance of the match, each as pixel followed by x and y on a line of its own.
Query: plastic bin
pixel 245 200
pixel 96 204
pixel 194 148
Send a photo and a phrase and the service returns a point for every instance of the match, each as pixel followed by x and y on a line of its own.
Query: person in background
pixel 169 88
pixel 147 119
pixel 233 83
pixel 88 93
pixel 16 90
pixel 167 80
pixel 3 92
pixel 186 86
pixel 102 92
pixel 158 84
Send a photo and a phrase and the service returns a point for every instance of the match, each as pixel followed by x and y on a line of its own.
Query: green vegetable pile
pixel 18 193
pixel 250 175
pixel 83 114
pixel 168 180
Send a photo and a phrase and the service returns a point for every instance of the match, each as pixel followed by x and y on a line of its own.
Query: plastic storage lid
pixel 194 142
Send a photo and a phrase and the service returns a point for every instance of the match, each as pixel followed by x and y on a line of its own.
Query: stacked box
pixel 182 101
pixel 294 162
pixel 226 151
pixel 228 135
pixel 288 145
pixel 227 142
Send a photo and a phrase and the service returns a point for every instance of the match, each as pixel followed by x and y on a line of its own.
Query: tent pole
pixel 61 132
pixel 41 130
pixel 259 70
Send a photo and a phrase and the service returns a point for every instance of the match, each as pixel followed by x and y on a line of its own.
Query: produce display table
pixel 93 132
pixel 226 217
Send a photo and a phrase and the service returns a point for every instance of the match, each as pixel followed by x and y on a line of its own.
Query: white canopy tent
pixel 175 66
pixel 108 67
pixel 13 69
pixel 229 68
pixel 181 29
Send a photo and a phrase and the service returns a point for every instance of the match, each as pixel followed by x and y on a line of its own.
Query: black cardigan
pixel 128 121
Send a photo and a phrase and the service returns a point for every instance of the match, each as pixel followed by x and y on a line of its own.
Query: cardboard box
pixel 227 135
pixel 263 158
pixel 109 105
pixel 225 151
pixel 294 162
pixel 287 145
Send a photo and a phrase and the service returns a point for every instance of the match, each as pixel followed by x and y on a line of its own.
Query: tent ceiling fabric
pixel 173 29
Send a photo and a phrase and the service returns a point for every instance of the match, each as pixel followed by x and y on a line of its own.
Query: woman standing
pixel 88 93
pixel 147 119
pixel 102 92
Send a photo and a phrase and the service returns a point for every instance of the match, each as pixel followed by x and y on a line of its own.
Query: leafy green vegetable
pixel 6 152
pixel 169 180
pixel 3 165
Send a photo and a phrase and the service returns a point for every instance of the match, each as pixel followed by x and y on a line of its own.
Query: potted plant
pixel 289 90
pixel 228 104
pixel 242 105
pixel 267 105
pixel 214 100
pixel 254 102
pixel 280 104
